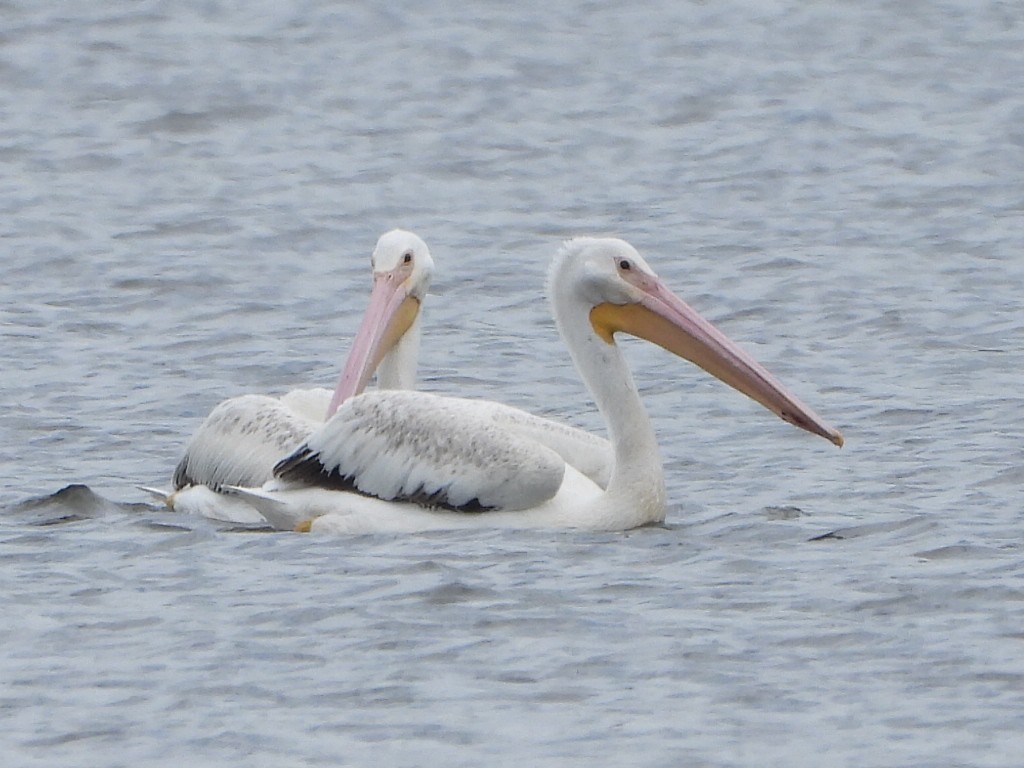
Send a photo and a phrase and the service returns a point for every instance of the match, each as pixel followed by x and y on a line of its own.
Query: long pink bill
pixel 665 319
pixel 390 313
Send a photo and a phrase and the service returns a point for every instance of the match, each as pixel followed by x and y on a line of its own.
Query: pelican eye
pixel 407 258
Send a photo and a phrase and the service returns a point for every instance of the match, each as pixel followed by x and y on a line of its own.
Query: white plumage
pixel 242 439
pixel 400 446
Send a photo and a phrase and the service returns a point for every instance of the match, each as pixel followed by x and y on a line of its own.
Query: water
pixel 189 196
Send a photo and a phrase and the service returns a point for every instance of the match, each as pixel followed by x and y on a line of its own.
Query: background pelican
pixel 243 437
pixel 408 461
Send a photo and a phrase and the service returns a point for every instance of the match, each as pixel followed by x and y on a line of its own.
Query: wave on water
pixel 78 502
pixel 70 504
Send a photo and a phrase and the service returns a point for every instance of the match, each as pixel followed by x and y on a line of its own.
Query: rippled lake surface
pixel 189 195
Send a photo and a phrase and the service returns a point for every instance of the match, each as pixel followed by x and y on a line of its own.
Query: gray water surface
pixel 188 199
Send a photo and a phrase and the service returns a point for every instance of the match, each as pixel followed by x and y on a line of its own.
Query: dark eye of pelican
pixel 624 265
pixel 407 259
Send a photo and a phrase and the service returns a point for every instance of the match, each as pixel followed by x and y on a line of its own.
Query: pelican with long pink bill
pixel 243 437
pixel 409 461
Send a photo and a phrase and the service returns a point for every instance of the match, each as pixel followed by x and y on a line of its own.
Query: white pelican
pixel 404 461
pixel 243 437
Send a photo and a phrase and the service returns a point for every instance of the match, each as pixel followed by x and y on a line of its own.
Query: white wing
pixel 432 450
pixel 591 455
pixel 240 441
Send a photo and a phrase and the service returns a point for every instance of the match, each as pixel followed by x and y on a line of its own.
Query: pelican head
pixel 406 259
pixel 609 280
pixel 402 269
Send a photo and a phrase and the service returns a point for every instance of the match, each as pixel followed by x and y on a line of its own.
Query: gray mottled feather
pixel 590 454
pixel 240 441
pixel 427 449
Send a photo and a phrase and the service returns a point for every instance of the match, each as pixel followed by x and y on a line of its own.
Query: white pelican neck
pixel 398 368
pixel 637 483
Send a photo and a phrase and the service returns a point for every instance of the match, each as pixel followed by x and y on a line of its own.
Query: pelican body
pixel 406 461
pixel 242 439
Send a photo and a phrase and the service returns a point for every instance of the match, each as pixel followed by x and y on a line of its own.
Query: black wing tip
pixel 295 461
pixel 439 500
pixel 304 467
pixel 181 478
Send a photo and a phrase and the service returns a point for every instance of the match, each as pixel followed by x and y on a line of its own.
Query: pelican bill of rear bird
pixel 407 461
